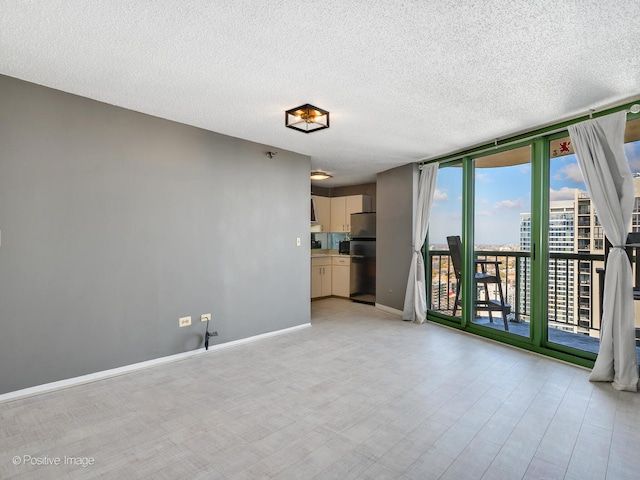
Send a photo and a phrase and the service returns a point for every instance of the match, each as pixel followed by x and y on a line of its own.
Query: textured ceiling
pixel 404 80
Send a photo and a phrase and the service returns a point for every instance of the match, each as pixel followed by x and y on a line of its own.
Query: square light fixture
pixel 307 118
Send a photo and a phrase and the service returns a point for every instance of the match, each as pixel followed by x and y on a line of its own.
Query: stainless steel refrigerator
pixel 363 258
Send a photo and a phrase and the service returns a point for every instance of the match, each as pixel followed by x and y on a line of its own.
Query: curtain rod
pixel 635 108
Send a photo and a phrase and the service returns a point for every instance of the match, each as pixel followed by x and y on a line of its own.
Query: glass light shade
pixel 307 118
pixel 319 175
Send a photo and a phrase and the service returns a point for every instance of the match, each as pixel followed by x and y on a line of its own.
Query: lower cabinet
pixel 340 272
pixel 330 276
pixel 320 277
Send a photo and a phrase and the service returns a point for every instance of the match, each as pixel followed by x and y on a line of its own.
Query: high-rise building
pixel 590 239
pixel 561 281
pixel 524 270
pixel 573 284
pixel 561 271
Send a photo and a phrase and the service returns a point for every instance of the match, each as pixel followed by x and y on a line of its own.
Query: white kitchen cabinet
pixel 338 214
pixel 320 277
pixel 323 212
pixel 343 207
pixel 340 275
pixel 357 204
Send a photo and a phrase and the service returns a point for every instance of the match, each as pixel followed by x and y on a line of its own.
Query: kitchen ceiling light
pixel 320 175
pixel 307 118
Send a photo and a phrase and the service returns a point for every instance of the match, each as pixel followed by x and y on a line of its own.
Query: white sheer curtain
pixel 415 300
pixel 599 146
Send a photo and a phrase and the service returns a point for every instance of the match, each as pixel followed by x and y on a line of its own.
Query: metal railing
pixel 572 296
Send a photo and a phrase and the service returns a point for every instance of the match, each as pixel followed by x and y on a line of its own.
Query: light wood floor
pixel 359 395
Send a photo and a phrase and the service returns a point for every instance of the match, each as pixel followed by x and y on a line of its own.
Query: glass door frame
pixel 545 185
pixel 468 241
pixel 455 322
pixel 539 140
pixel 538 336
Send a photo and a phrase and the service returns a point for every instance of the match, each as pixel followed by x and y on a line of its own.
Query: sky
pixel 501 195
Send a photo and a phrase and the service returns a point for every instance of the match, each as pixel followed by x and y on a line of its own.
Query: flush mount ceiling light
pixel 307 118
pixel 318 175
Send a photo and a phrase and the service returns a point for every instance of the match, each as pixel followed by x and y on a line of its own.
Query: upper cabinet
pixel 323 212
pixel 343 207
pixel 338 214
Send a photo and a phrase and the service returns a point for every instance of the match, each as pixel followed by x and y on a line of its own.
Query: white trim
pixel 393 311
pixel 254 338
pixel 93 377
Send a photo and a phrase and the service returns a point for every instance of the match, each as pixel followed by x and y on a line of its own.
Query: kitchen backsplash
pixel 327 241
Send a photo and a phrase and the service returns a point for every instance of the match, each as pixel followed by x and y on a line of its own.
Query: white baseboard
pixel 93 377
pixel 393 311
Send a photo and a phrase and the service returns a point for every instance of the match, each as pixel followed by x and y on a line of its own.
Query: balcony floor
pixel 561 337
pixel 582 342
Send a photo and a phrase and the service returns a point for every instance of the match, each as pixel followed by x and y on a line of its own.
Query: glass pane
pixel 632 150
pixel 502 240
pixel 445 221
pixel 577 247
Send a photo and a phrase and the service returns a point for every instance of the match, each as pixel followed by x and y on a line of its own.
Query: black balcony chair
pixel 483 278
pixel 632 248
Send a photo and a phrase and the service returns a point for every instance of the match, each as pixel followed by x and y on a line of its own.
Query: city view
pixel 502 233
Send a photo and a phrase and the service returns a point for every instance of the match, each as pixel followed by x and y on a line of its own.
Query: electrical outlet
pixel 205 316
pixel 184 321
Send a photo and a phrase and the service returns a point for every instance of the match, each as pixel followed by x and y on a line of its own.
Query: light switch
pixel 298 242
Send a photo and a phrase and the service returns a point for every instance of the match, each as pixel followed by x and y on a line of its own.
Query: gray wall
pixel 396 197
pixel 115 223
pixel 320 191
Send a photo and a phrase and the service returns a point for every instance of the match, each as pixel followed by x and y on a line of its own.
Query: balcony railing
pixel 572 299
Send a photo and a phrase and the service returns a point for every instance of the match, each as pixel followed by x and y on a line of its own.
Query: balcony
pixel 584 244
pixel 584 232
pixel 573 315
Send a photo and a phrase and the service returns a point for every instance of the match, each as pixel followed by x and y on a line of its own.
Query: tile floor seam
pixel 566 468
pixel 578 436
pixel 474 437
pixel 383 392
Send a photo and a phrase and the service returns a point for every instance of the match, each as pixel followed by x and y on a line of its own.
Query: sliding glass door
pixel 516 251
pixel 502 241
pixel 576 254
pixel 578 247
